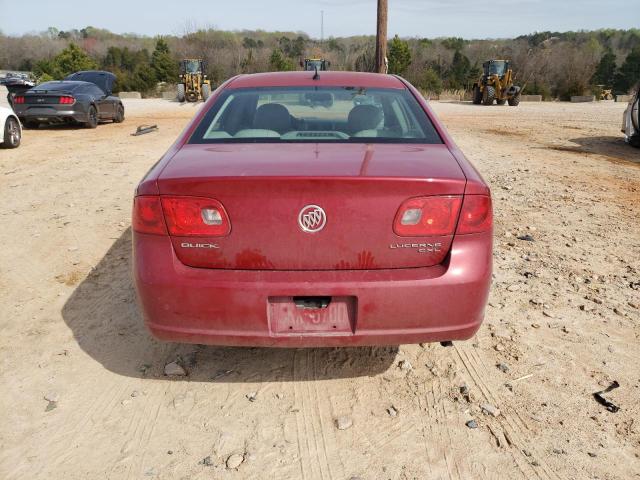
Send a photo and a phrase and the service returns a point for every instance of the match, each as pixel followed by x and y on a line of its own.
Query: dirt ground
pixel 563 322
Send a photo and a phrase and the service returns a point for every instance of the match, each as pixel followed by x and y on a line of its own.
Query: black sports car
pixel 82 97
pixel 631 119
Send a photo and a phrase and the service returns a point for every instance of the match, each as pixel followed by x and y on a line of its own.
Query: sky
pixel 407 18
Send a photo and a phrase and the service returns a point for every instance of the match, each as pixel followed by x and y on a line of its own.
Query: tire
pixel 119 118
pixel 206 91
pixel 501 101
pixel 515 100
pixel 477 95
pixel 12 135
pixel 635 141
pixel 489 95
pixel 181 96
pixel 92 118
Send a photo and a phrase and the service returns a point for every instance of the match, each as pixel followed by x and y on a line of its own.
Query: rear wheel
pixel 515 100
pixel 119 118
pixel 489 95
pixel 92 118
pixel 502 101
pixel 206 91
pixel 181 95
pixel 12 134
pixel 477 95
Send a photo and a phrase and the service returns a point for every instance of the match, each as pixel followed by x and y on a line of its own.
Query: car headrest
pixel 364 117
pixel 272 116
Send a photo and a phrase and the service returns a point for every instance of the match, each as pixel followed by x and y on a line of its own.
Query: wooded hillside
pixel 553 64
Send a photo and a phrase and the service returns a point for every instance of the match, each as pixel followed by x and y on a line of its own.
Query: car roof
pixel 327 79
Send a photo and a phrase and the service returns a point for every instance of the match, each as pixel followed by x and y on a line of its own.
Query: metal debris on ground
pixel 142 129
pixel 526 238
pixel 599 396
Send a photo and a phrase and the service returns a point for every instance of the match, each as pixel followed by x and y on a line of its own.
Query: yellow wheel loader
pixel 312 64
pixel 193 84
pixel 496 84
pixel 605 93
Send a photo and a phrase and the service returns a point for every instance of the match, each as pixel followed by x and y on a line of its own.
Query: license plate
pixel 288 317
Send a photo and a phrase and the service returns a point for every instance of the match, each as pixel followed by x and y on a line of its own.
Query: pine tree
pixel 629 73
pixel 605 71
pixel 399 56
pixel 163 65
pixel 70 60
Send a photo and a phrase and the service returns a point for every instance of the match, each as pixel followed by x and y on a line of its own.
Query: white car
pixel 630 123
pixel 10 128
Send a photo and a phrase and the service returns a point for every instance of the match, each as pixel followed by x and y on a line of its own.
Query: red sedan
pixel 301 209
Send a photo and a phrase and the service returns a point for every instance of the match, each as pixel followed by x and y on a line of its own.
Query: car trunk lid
pixel 269 191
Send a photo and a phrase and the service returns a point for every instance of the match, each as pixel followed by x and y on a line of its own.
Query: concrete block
pixel 130 95
pixel 531 98
pixel 583 98
pixel 623 98
pixel 449 97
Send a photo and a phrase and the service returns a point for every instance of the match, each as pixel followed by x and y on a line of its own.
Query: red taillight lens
pixel 147 216
pixel 18 99
pixel 427 216
pixel 67 100
pixel 476 215
pixel 195 217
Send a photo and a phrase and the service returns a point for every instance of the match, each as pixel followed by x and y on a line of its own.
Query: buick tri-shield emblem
pixel 312 219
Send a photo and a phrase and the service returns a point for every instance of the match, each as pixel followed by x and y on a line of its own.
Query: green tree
pixel 629 72
pixel 399 56
pixel 71 59
pixel 454 43
pixel 459 72
pixel 133 70
pixel 606 70
pixel 292 48
pixel 163 65
pixel 278 62
pixel 430 81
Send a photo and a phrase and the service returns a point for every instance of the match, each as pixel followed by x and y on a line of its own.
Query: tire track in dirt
pixel 311 465
pixel 514 429
pixel 316 438
pixel 143 432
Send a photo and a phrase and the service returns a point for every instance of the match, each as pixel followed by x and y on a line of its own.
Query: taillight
pixel 18 99
pixel 476 215
pixel 147 216
pixel 66 100
pixel 427 216
pixel 195 217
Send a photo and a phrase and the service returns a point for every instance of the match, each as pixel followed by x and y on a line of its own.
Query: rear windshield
pixel 316 114
pixel 56 86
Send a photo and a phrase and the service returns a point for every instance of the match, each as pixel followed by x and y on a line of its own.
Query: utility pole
pixel 381 38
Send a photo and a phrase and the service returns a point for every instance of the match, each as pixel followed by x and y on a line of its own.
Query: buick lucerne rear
pixel 297 211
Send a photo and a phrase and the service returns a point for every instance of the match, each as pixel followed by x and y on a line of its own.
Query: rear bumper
pixel 231 307
pixel 50 114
